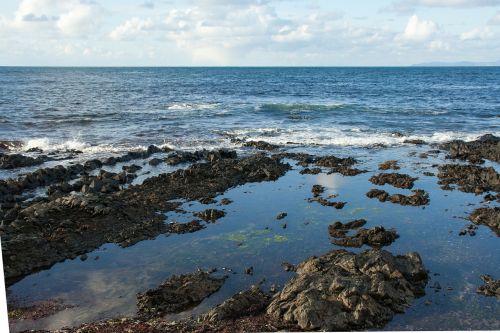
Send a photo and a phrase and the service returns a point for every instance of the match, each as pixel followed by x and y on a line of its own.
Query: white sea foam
pixel 48 145
pixel 192 106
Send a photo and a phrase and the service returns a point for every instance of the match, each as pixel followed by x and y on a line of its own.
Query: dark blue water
pixel 100 109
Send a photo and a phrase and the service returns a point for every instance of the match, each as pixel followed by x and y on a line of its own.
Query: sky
pixel 247 32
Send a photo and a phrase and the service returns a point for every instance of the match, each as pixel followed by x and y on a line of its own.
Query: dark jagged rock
pixel 178 293
pixel 375 237
pixel 131 168
pixel 281 216
pixel 490 197
pixel 225 201
pixel 313 171
pixel 429 174
pixel 9 144
pixel 344 291
pixel 487 216
pixel 317 190
pixel 38 310
pixel 49 231
pixel 389 165
pixel 207 201
pixel 415 142
pixel 13 161
pixel 261 145
pixel 249 270
pixel 288 267
pixel 210 215
pixel 184 228
pixel 469 178
pixel 347 171
pixel 339 229
pixel 491 287
pixel 245 303
pixel 485 147
pixel 394 179
pixel 419 198
pixel 325 202
pixel 302 158
pixel 155 161
pixel 334 162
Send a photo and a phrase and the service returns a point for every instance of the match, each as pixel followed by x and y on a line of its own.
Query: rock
pixel 207 201
pixel 313 171
pixel 262 145
pixel 245 303
pixel 210 215
pixel 14 161
pixel 317 190
pixel 155 161
pixel 485 147
pixel 489 217
pixel 469 178
pixel 491 287
pixel 430 174
pixel 288 267
pixel 131 168
pixel 419 198
pixel 9 144
pixel 375 237
pixel 339 229
pixel 83 257
pixel 389 165
pixel 415 141
pixel 183 228
pixel 225 201
pixel 178 293
pixel 347 171
pixel 249 270
pixel 324 202
pixel 394 179
pixel 281 216
pixel 344 291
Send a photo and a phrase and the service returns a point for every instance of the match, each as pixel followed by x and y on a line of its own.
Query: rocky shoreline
pixel 87 206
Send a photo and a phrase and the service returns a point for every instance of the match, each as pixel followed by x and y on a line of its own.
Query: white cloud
pixel 131 29
pixel 477 34
pixel 495 20
pixel 439 45
pixel 81 20
pixel 288 34
pixel 417 30
pixel 408 6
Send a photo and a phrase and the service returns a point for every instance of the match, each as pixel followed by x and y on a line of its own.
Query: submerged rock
pixel 469 178
pixel 375 237
pixel 491 287
pixel 339 229
pixel 485 147
pixel 419 198
pixel 313 171
pixel 489 217
pixel 281 216
pixel 395 179
pixel 245 303
pixel 415 142
pixel 389 165
pixel 210 215
pixel 317 190
pixel 183 228
pixel 325 202
pixel 178 293
pixel 343 291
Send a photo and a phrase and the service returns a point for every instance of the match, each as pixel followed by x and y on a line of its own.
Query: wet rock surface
pixel 391 164
pixel 317 190
pixel 40 309
pixel 210 215
pixel 395 179
pixel 325 202
pixel 13 161
pixel 245 303
pixel 489 217
pixel 178 293
pixel 491 286
pixel 417 142
pixel 485 147
pixel 375 237
pixel 342 291
pixel 339 229
pixel 184 228
pixel 261 145
pixel 469 178
pixel 418 198
pixel 48 231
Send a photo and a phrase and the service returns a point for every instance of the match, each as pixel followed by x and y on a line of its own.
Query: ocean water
pixel 342 111
pixel 114 109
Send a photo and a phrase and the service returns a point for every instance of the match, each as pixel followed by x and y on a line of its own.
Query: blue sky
pixel 248 32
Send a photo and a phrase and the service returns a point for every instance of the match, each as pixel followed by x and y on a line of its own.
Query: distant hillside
pixel 459 64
